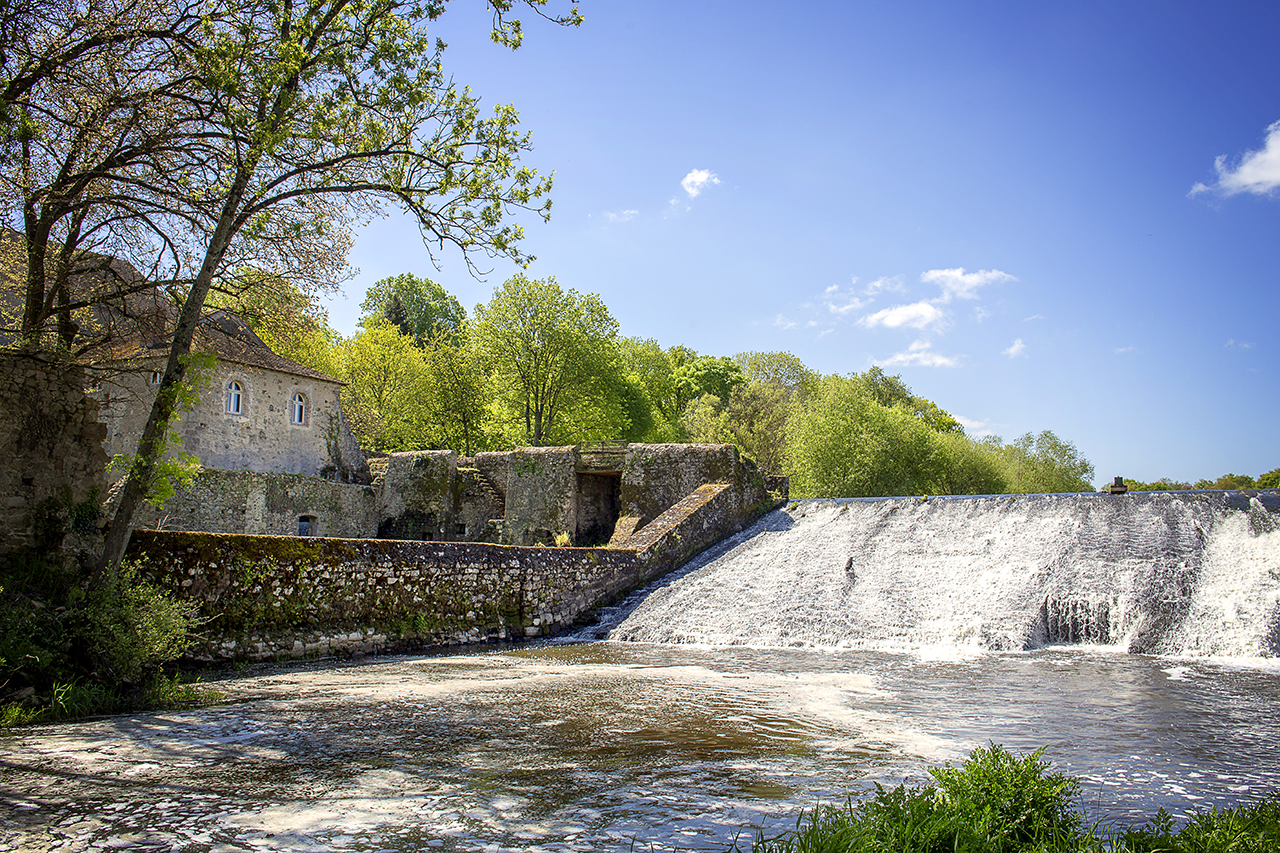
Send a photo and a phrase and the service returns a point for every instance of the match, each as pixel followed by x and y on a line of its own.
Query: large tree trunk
pixel 138 481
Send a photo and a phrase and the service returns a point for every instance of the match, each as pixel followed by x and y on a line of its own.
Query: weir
pixel 1191 573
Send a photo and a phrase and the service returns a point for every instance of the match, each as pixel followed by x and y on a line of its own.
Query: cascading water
pixel 1164 573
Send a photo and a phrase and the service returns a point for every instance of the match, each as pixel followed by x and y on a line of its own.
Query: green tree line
pixel 1269 480
pixel 543 365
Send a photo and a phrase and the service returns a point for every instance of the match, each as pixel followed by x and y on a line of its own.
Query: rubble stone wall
pixel 51 456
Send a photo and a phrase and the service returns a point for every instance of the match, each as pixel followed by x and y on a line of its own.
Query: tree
pixel 316 114
pixel 419 306
pixel 650 368
pixel 757 414
pixel 776 368
pixel 554 356
pixel 705 374
pixel 1046 464
pixel 387 385
pixel 457 392
pixel 92 102
pixel 892 391
pixel 1228 482
pixel 842 442
pixel 1269 480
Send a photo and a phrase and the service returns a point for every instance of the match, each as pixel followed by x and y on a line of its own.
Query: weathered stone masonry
pixel 51 456
pixel 264 596
pixel 271 597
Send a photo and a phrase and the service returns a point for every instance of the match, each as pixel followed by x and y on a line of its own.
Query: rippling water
pixel 592 747
pixel 909 634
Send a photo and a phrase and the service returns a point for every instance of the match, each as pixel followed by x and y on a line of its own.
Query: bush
pixel 131 628
pixel 996 802
pixel 67 652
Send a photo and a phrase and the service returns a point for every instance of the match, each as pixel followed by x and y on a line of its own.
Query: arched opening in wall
pixel 298 409
pixel 599 503
pixel 235 397
pixel 307 525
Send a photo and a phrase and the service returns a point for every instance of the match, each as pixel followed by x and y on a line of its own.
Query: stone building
pixel 256 410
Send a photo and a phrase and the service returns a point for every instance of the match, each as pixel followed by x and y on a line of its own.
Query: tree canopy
pixel 555 360
pixel 417 306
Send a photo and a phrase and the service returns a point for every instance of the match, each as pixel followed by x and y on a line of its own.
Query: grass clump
pixel 997 802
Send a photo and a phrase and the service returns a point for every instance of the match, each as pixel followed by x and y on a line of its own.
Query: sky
pixel 1042 216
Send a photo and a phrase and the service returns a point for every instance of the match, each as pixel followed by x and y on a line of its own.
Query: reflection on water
pixel 589 747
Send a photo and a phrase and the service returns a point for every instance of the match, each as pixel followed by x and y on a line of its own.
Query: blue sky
pixel 1043 216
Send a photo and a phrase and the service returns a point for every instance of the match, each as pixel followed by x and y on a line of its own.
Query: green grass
pixel 75 699
pixel 997 802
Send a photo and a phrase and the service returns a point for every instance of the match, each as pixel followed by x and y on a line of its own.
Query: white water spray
pixel 1158 573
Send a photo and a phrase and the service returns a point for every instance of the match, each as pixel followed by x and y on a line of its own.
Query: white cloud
pixel 1121 350
pixel 975 429
pixel 891 284
pixel 917 315
pixel 784 323
pixel 1242 344
pixel 958 283
pixel 919 353
pixel 1016 349
pixel 1033 317
pixel 1258 172
pixel 621 216
pixel 980 313
pixel 841 303
pixel 697 180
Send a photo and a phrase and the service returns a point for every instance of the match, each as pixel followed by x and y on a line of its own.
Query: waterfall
pixel 1161 573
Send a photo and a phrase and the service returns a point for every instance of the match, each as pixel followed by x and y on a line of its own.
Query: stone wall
pixel 260 437
pixel 51 457
pixel 657 477
pixel 540 494
pixel 256 503
pixel 272 597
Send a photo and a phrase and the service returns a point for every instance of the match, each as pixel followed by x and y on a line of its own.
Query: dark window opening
pixel 306 525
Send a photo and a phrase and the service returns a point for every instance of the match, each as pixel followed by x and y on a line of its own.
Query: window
pixel 306 525
pixel 235 394
pixel 156 376
pixel 298 410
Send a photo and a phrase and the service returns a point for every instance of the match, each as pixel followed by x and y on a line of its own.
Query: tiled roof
pixel 226 336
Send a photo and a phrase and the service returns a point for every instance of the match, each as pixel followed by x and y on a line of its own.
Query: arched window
pixel 298 411
pixel 235 395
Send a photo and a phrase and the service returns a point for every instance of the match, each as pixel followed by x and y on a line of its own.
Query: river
pixel 685 744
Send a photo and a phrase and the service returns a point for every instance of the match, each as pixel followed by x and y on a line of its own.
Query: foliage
pixel 705 374
pixel 1046 464
pixel 387 376
pixel 775 368
pixel 651 369
pixel 843 443
pixel 997 802
pixel 131 627
pixel 968 467
pixel 1164 484
pixel 419 307
pixel 555 361
pixel 706 422
pixel 75 651
pixel 1227 482
pixel 1269 480
pixel 457 392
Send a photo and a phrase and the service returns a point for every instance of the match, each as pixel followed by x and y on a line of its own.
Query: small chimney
pixel 1118 487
